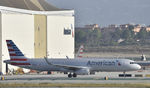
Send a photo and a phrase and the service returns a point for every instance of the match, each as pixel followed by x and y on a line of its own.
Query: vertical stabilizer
pixel 80 52
pixel 14 52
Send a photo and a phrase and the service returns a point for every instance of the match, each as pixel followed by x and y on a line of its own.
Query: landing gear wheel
pixel 74 75
pixel 49 72
pixel 70 75
pixel 65 72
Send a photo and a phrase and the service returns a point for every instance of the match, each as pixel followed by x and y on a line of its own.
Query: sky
pixel 106 12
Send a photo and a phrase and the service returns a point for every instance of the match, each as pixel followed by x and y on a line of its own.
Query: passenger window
pixel 131 62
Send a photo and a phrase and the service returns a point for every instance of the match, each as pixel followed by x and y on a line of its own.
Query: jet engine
pixel 82 72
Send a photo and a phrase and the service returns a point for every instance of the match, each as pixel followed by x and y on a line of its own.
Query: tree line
pixel 111 37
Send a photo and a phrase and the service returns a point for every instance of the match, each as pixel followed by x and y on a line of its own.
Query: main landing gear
pixel 72 75
pixel 124 73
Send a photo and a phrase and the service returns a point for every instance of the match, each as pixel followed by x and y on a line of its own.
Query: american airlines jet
pixel 80 52
pixel 73 66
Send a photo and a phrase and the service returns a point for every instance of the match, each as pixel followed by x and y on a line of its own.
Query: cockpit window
pixel 131 62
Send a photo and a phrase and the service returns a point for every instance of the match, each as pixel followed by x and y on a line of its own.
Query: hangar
pixel 38 28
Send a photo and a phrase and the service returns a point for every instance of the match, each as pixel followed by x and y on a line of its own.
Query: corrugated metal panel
pixel 5 3
pixel 31 6
pixel 47 6
pixel 35 2
pixel 37 5
pixel 40 45
pixel 14 3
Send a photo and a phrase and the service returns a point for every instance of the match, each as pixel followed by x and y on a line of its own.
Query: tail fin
pixel 143 57
pixel 80 52
pixel 14 52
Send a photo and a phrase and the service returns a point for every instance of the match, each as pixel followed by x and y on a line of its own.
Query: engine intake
pixel 82 72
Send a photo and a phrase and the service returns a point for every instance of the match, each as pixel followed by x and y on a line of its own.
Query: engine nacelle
pixel 82 72
pixel 92 73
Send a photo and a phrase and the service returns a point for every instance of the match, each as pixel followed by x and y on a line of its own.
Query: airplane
pixel 80 52
pixel 73 66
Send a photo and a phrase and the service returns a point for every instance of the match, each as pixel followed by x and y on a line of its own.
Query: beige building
pixel 38 28
pixel 92 26
pixel 137 29
pixel 148 29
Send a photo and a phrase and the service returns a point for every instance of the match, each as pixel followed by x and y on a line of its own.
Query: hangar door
pixel 40 36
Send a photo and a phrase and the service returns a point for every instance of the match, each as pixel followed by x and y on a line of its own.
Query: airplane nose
pixel 138 67
pixel 135 67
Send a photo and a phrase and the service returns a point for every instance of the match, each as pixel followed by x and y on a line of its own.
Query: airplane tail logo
pixel 119 64
pixel 80 52
pixel 14 52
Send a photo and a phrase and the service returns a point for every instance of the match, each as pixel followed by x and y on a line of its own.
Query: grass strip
pixel 71 85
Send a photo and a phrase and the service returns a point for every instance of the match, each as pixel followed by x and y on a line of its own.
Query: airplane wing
pixel 70 67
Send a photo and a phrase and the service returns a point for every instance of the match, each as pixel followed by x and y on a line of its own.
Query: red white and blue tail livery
pixel 16 56
pixel 80 52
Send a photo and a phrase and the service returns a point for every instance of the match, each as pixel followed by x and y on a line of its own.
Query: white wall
pixel 60 45
pixel 20 29
pixel 0 45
